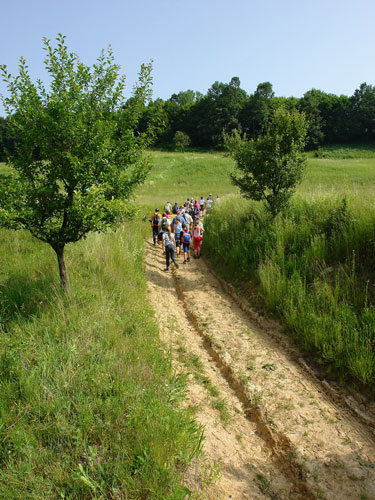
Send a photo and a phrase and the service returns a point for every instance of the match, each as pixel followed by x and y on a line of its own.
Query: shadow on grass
pixel 23 296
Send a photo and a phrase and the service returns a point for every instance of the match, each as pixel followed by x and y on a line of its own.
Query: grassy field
pixel 88 398
pixel 174 176
pixel 314 266
pixel 177 175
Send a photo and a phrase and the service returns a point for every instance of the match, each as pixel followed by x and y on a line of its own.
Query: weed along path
pixel 270 430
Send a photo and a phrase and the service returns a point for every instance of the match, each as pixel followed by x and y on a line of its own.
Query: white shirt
pixel 188 219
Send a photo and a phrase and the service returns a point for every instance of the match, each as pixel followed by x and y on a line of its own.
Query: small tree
pixel 181 140
pixel 77 161
pixel 271 166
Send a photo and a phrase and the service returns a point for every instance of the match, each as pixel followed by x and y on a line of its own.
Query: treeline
pixel 226 106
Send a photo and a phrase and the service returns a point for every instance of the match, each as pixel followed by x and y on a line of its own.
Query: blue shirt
pixel 181 218
pixel 167 241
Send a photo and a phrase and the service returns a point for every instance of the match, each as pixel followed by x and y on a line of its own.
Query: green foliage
pixel 271 166
pixel 76 162
pixel 89 402
pixel 6 139
pixel 216 112
pixel 313 265
pixel 338 220
pixel 363 102
pixel 345 152
pixel 181 140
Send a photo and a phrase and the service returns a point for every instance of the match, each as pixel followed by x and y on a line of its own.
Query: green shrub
pixel 311 265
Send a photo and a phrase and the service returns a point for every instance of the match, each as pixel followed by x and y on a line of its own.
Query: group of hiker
pixel 179 226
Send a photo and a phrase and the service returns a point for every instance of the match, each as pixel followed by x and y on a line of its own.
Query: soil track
pixel 271 431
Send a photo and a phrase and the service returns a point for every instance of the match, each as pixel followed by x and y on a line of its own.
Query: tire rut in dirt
pixel 278 443
pixel 338 400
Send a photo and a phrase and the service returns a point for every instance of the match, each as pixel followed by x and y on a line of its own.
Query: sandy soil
pixel 271 431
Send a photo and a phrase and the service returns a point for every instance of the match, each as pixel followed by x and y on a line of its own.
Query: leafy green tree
pixel 271 166
pixel 185 97
pixel 77 160
pixel 154 118
pixel 218 112
pixel 6 139
pixel 257 111
pixel 311 104
pixel 181 140
pixel 265 90
pixel 363 112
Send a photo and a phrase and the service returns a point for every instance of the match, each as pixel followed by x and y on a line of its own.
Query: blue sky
pixel 296 45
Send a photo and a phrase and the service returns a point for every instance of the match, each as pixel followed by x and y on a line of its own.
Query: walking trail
pixel 271 431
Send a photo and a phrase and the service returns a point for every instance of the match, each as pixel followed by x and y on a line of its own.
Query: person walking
pixel 185 240
pixel 164 225
pixel 201 203
pixel 169 249
pixel 177 234
pixel 188 220
pixel 197 212
pixel 154 219
pixel 209 202
pixel 197 241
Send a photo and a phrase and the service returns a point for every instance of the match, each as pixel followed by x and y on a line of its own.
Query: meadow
pixel 89 402
pixel 175 176
pixel 313 266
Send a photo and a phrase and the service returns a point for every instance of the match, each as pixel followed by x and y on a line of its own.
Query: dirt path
pixel 271 432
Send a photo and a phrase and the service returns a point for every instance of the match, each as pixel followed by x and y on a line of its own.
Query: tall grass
pixel 314 265
pixel 88 399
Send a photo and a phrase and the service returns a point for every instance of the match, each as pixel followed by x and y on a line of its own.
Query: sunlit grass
pixel 314 266
pixel 88 399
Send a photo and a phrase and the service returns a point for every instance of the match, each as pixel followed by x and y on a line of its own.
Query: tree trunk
pixel 62 269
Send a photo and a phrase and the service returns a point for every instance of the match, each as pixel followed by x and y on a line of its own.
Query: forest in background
pixel 226 106
pixel 203 118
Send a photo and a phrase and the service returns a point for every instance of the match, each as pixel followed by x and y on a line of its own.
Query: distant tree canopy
pixel 226 107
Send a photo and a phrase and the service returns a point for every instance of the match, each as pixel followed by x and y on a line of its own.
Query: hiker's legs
pixel 199 247
pixel 171 252
pixel 167 250
pixel 154 234
pixel 196 247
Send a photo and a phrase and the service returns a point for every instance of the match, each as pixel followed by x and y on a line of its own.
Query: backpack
pixel 175 209
pixel 155 220
pixel 164 223
pixel 186 238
